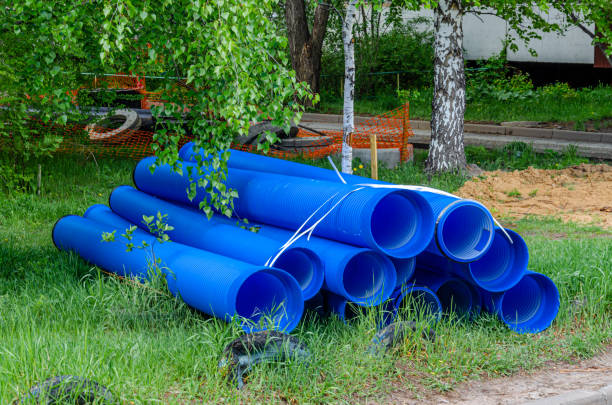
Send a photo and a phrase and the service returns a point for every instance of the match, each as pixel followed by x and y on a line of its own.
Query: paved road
pixel 599 150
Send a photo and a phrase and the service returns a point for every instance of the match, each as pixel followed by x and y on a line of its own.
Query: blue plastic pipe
pixel 463 230
pixel 251 161
pixel 398 223
pixel 213 284
pixel 415 301
pixel 339 306
pixel 499 269
pixel 503 265
pixel 192 228
pixel 455 294
pixel 529 307
pixel 404 268
pixel 360 275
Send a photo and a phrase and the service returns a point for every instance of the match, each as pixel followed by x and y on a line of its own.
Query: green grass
pixel 590 104
pixel 60 315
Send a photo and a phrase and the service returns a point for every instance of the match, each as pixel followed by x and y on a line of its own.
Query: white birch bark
pixel 348 121
pixel 446 152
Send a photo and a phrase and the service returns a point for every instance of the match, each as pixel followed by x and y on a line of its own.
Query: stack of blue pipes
pixel 322 237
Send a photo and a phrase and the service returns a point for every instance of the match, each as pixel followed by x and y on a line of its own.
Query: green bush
pixel 558 90
pixel 400 49
pixel 494 79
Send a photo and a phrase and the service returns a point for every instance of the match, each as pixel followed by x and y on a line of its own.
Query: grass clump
pixel 514 193
pixel 61 315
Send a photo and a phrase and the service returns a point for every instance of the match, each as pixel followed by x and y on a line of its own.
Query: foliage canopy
pixel 229 52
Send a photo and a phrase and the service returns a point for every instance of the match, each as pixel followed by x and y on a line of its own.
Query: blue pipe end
pixel 269 296
pixel 464 231
pixel 416 302
pixel 503 265
pixel 401 224
pixel 368 278
pixel 458 297
pixel 530 306
pixel 404 268
pixel 306 267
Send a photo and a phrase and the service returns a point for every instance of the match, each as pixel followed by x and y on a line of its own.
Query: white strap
pixel 331 162
pixel 297 235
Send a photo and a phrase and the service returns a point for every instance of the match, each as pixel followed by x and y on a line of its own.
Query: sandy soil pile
pixel 581 193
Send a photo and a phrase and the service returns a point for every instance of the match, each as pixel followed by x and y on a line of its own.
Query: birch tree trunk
pixel 348 121
pixel 446 151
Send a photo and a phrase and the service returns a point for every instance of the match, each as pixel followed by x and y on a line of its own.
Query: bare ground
pixel 553 379
pixel 581 193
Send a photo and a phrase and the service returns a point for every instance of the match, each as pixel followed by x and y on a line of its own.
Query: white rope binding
pixel 298 234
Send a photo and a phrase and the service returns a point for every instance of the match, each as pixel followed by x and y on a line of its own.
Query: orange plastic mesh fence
pixel 121 81
pixel 392 130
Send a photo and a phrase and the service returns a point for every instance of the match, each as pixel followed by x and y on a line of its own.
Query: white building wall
pixel 573 46
pixel 484 36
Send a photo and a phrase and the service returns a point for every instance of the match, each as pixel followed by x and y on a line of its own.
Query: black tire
pixel 129 121
pixel 257 133
pixel 304 142
pixel 240 355
pixel 68 389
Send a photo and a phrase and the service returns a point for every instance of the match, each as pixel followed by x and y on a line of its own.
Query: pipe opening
pixel 262 295
pixel 503 265
pixel 455 296
pixel 364 276
pixel 522 303
pixel 466 232
pixel 299 264
pixel 394 221
pixel 418 302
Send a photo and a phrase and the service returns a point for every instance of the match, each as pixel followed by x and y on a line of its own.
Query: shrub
pixel 402 48
pixel 494 79
pixel 559 89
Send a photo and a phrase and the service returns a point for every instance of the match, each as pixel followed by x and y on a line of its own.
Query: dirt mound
pixel 581 193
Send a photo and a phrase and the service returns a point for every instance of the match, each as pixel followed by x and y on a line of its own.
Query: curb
pixel 579 397
pixel 542 133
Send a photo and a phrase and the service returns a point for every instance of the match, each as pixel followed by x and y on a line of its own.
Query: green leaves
pixel 230 51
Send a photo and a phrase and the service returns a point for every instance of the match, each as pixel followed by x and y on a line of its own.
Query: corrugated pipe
pixel 360 275
pixel 192 228
pixel 404 268
pixel 499 269
pixel 414 301
pixel 455 294
pixel 463 228
pixel 213 284
pixel 339 306
pixel 398 223
pixel 528 307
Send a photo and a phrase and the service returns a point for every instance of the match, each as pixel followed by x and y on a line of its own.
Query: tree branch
pixel 335 9
pixel 319 26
